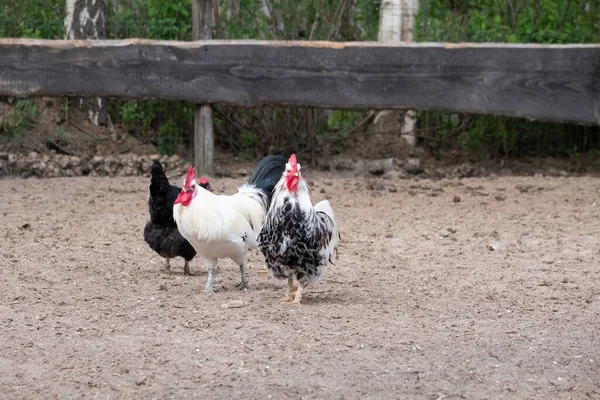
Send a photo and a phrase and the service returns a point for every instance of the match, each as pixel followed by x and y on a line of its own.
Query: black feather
pixel 162 196
pixel 267 173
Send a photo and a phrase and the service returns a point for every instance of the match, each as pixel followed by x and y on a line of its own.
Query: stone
pixel 496 246
pixel 380 167
pixel 64 162
pixel 412 166
pixel 444 233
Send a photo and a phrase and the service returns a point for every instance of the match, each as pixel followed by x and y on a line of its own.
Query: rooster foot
pixel 243 286
pixel 167 267
pixel 210 290
pixel 186 269
pixel 289 298
pixel 298 295
pixel 291 292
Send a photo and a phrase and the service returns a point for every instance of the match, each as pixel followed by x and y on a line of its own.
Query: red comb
pixel 191 176
pixel 292 161
pixel 203 180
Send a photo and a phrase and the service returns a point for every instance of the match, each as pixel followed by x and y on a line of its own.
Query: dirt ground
pixel 493 296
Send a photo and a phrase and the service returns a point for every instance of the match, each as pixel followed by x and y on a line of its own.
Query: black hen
pixel 161 231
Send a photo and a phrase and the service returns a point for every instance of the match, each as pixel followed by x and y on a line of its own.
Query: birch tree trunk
pixel 85 19
pixel 410 8
pixel 396 24
pixel 390 21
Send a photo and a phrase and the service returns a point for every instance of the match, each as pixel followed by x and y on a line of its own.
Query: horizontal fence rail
pixel 544 82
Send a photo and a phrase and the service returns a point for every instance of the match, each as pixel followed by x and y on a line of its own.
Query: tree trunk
pixel 390 21
pixel 410 8
pixel 204 143
pixel 396 24
pixel 85 20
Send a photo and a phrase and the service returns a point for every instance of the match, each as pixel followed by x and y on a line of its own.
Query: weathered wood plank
pixel 555 83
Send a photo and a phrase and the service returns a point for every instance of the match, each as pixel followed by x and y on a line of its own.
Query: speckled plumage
pixel 297 239
pixel 296 242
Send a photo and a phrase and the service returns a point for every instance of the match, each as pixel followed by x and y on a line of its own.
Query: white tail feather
pixel 324 207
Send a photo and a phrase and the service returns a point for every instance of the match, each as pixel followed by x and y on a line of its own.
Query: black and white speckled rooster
pixel 297 239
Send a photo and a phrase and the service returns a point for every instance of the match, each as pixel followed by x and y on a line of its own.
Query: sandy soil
pixel 494 296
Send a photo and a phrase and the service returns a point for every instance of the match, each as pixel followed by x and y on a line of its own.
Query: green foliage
pixel 138 115
pixel 41 19
pixel 168 118
pixel 299 20
pixel 248 141
pixel 167 137
pixel 14 125
pixel 340 119
pixel 152 19
pixel 510 21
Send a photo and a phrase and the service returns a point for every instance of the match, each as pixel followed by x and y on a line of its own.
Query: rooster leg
pixel 210 266
pixel 243 285
pixel 186 268
pixel 299 293
pixel 168 266
pixel 290 291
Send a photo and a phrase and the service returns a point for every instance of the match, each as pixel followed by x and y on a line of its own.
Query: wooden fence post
pixel 204 142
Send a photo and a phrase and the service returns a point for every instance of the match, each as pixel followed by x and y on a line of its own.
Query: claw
pixel 210 290
pixel 242 286
pixel 298 295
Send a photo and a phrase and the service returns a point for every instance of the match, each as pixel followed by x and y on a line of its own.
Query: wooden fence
pixel 544 82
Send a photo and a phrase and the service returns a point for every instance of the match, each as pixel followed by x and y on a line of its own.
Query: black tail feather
pixel 267 173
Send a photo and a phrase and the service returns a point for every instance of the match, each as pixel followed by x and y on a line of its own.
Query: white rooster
pixel 226 226
pixel 297 239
